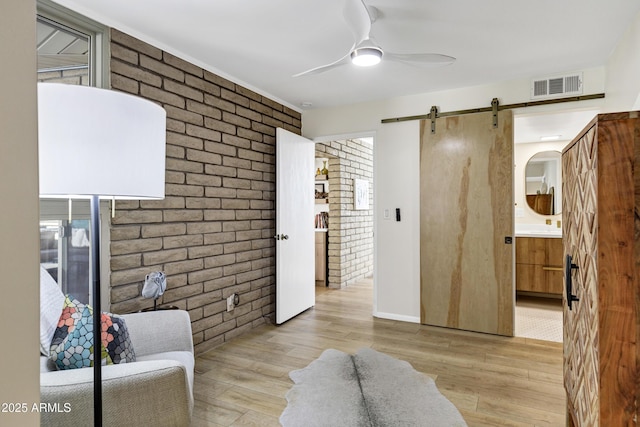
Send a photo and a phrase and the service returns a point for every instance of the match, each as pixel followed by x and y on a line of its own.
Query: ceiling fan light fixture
pixel 366 56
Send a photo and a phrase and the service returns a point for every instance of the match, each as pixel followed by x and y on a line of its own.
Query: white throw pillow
pixel 51 303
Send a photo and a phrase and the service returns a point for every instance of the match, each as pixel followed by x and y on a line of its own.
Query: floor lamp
pixel 96 143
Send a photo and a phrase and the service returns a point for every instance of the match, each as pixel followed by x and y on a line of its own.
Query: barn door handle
pixel 568 267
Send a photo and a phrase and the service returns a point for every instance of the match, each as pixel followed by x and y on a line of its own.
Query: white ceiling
pixel 261 44
pixel 565 125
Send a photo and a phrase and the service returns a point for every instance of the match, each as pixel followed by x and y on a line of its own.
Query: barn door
pixel 466 223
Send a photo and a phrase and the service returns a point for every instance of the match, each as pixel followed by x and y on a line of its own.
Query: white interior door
pixel 295 244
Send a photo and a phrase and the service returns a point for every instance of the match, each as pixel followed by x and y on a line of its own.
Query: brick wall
pixel 212 234
pixel 350 231
pixel 72 76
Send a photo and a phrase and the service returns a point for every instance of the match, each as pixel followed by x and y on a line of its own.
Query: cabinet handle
pixel 568 267
pixel 548 268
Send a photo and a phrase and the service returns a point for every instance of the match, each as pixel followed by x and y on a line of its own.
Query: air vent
pixel 556 86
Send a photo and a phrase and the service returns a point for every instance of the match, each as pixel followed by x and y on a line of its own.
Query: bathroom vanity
pixel 539 263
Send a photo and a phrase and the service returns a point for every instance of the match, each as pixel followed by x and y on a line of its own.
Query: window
pixel 70 49
pixel 65 246
pixel 63 54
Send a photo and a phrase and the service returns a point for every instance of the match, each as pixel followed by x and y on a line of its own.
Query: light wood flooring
pixel 493 381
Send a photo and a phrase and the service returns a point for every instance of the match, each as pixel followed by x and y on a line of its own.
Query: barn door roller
pixel 494 109
pixel 433 115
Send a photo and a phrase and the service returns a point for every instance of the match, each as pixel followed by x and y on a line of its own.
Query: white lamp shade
pixel 99 142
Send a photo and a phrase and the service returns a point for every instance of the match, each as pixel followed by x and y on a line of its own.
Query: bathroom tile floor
pixel 539 318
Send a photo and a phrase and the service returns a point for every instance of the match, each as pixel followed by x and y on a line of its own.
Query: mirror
pixel 543 186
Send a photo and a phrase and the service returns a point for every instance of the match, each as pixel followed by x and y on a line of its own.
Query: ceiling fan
pixel 365 52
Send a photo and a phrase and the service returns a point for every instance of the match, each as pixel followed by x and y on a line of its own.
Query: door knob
pixel 285 237
pixel 281 237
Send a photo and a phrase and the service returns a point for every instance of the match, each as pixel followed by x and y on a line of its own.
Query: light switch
pixel 385 215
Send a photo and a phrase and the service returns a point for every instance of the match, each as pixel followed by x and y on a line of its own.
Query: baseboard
pixel 400 317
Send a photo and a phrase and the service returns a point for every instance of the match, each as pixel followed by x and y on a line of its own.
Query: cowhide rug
pixel 366 389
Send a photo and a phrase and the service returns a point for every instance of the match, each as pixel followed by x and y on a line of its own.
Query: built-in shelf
pixel 321 224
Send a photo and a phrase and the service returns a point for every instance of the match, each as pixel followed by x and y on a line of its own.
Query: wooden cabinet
pixel 321 258
pixel 539 265
pixel 541 203
pixel 601 190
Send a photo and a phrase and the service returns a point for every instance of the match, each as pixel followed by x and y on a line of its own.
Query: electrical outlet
pixel 230 305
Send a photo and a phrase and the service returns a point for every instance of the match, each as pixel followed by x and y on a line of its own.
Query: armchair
pixel 156 389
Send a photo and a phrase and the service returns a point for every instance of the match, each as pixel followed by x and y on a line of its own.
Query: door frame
pixel 358 135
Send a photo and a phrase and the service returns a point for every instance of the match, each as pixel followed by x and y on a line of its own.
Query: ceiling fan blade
pixel 430 60
pixel 357 16
pixel 326 67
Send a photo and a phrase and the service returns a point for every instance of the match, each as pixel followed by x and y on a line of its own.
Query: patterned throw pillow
pixel 72 344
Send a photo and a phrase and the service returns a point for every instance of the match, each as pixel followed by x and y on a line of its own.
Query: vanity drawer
pixel 539 278
pixel 539 265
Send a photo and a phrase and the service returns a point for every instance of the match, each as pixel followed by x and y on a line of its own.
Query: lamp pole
pixel 97 325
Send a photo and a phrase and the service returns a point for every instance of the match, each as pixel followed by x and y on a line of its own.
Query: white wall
pixel 623 71
pixel 397 279
pixel 19 251
pixel 397 244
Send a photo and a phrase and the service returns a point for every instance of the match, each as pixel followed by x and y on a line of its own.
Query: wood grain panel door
pixel 466 223
pixel 601 193
pixel 580 224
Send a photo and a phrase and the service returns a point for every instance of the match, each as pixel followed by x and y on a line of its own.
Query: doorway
pixel 344 221
pixel 539 233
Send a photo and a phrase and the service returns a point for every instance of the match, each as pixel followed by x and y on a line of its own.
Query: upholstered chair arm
pixel 159 331
pixel 140 393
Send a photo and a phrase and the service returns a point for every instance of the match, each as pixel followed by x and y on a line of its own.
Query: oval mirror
pixel 543 185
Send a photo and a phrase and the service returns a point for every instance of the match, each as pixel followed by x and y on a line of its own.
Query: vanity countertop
pixel 548 235
pixel 538 230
